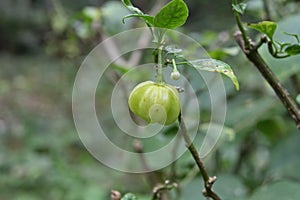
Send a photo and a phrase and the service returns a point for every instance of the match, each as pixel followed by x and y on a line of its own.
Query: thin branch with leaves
pixel 250 49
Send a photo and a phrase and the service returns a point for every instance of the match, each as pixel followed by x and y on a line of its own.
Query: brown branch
pixel 158 190
pixel 253 56
pixel 208 181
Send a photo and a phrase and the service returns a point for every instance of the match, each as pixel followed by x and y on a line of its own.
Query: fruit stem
pixel 174 65
pixel 159 72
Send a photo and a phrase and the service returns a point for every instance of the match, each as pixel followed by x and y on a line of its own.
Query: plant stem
pixel 253 56
pixel 174 65
pixel 156 192
pixel 208 181
pixel 281 92
pixel 241 27
pixel 251 51
pixel 159 72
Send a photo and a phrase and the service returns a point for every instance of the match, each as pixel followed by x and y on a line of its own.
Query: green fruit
pixel 155 102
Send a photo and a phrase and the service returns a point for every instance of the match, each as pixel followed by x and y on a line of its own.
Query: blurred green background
pixel 42 45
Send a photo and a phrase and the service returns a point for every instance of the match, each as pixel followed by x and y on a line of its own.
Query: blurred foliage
pixel 42 44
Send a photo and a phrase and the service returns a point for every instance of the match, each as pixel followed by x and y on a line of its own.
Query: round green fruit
pixel 155 102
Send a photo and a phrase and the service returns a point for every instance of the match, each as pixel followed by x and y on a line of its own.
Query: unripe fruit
pixel 155 102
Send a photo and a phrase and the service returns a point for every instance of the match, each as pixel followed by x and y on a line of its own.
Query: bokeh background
pixel 42 44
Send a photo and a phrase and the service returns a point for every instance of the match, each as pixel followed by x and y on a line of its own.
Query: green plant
pixel 161 97
pixel 42 156
pixel 276 49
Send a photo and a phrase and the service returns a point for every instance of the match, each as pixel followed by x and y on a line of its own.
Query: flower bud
pixel 175 75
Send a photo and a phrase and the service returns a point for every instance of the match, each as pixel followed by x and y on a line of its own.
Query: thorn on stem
pixel 239 39
pixel 212 180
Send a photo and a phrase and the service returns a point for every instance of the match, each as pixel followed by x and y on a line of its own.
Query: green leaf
pixel 131 8
pixel 213 65
pixel 284 68
pixel 266 27
pixel 293 35
pixel 293 49
pixel 240 8
pixel 172 15
pixel 282 45
pixel 147 18
pixel 126 2
pixel 129 196
pixel 277 191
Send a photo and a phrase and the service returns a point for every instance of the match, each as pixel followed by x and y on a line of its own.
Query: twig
pixel 245 40
pixel 163 187
pixel 208 181
pixel 251 51
pixel 262 41
pixel 275 53
pixel 253 56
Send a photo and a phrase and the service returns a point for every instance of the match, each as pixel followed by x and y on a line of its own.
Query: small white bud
pixel 175 75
